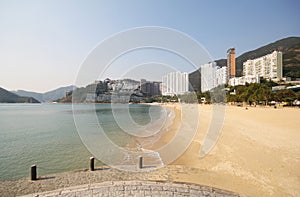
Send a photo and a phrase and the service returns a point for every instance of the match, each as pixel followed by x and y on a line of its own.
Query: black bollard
pixel 92 163
pixel 140 162
pixel 33 172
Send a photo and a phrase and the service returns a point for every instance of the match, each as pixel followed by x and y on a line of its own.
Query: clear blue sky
pixel 43 43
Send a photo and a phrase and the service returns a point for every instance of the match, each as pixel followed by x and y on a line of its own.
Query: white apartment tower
pixel 221 75
pixel 268 66
pixel 208 76
pixel 175 83
pixel 212 76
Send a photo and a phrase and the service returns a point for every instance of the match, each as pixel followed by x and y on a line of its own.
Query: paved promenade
pixel 111 182
pixel 137 188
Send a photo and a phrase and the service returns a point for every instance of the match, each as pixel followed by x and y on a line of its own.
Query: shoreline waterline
pixel 46 143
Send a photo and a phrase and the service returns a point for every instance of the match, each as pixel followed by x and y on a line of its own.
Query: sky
pixel 43 44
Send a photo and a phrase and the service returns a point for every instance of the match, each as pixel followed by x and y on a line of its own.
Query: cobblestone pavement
pixel 136 188
pixel 112 182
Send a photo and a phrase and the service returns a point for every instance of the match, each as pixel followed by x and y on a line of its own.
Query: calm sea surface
pixel 45 135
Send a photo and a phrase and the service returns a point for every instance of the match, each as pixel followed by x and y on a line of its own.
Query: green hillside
pixel 8 97
pixel 291 61
pixel 195 81
pixel 221 62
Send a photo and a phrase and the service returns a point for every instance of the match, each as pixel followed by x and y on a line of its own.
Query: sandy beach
pixel 257 154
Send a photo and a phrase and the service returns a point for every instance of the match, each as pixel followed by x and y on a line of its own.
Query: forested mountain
pixel 9 97
pixel 47 96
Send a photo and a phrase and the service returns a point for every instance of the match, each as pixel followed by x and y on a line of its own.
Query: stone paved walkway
pixel 135 189
pixel 112 182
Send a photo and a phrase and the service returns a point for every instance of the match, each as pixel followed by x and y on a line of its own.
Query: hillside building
pixel 221 75
pixel 175 83
pixel 231 63
pixel 268 66
pixel 150 88
pixel 235 81
pixel 212 76
pixel 208 76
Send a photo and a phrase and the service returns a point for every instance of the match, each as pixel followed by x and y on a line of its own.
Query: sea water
pixel 46 135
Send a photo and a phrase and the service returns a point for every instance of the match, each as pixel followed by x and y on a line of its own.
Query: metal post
pixel 140 162
pixel 33 172
pixel 92 163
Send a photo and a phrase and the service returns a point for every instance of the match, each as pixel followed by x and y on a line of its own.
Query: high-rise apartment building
pixel 231 63
pixel 221 75
pixel 268 66
pixel 212 76
pixel 175 83
pixel 208 76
